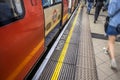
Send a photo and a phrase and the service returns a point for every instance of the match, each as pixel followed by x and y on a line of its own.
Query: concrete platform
pixel 99 41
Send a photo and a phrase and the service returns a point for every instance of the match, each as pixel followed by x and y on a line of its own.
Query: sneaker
pixel 113 64
pixel 88 12
pixel 105 50
pixel 94 21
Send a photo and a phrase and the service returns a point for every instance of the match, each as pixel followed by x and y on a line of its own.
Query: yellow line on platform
pixel 64 51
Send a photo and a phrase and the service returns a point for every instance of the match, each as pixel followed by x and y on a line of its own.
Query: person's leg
pixel 111 44
pixel 91 4
pixel 88 8
pixel 97 12
pixel 85 2
pixel 99 9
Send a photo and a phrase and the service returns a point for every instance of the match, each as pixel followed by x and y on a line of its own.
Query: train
pixel 25 32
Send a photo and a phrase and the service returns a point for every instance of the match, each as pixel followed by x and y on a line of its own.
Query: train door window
pixel 18 7
pixel 56 1
pixel 10 10
pixel 47 2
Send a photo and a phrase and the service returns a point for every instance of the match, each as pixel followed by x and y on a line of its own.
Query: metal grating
pixel 55 55
pixel 64 37
pixel 66 32
pixel 75 38
pixel 67 72
pixel 71 54
pixel 60 45
pixel 47 73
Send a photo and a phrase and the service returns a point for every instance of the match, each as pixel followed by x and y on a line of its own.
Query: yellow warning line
pixel 63 53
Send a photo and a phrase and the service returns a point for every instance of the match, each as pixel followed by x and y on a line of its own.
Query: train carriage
pixel 23 33
pixel 21 37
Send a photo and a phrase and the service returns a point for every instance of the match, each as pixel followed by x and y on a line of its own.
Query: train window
pixel 18 7
pixel 46 2
pixel 56 1
pixel 10 10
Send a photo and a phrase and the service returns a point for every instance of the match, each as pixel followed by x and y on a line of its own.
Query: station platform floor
pixel 79 52
pixel 99 40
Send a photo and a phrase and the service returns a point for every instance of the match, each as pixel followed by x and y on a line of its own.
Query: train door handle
pixel 34 2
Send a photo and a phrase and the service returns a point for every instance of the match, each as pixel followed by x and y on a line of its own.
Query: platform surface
pixel 79 53
pixel 99 41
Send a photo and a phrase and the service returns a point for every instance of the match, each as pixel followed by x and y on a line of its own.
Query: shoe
pixel 88 12
pixel 113 64
pixel 94 21
pixel 105 50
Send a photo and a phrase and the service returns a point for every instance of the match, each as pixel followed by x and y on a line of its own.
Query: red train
pixel 24 27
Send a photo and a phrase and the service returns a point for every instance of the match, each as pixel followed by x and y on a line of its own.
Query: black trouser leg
pixel 97 11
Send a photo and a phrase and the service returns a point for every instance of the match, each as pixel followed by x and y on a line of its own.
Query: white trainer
pixel 105 50
pixel 113 64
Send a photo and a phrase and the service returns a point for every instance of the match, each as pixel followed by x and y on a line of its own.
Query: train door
pixel 73 5
pixel 65 11
pixel 52 14
pixel 76 3
pixel 21 37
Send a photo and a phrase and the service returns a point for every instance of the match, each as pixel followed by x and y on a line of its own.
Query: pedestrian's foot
pixel 94 21
pixel 88 12
pixel 113 64
pixel 105 50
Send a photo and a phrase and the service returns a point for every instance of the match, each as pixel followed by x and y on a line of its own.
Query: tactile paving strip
pixel 86 66
pixel 86 62
pixel 85 74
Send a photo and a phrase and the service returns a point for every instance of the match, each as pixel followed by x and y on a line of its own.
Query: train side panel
pixel 22 42
pixel 52 17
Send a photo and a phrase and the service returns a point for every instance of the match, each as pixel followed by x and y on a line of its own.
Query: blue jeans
pixel 89 6
pixel 111 30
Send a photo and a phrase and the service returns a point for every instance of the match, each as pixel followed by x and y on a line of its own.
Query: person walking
pixel 99 4
pixel 90 4
pixel 105 8
pixel 114 14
